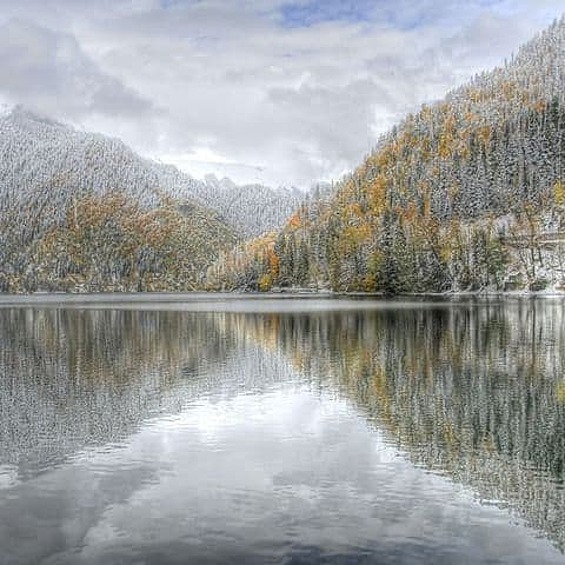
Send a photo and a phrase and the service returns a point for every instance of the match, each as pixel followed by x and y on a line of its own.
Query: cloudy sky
pixel 279 92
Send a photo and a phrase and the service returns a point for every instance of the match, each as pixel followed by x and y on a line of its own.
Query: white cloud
pixel 266 100
pixel 49 72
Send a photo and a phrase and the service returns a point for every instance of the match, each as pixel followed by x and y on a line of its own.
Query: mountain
pixel 37 151
pixel 83 211
pixel 48 170
pixel 466 194
pixel 251 209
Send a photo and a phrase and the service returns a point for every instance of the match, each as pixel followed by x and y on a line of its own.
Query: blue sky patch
pixel 165 4
pixel 306 14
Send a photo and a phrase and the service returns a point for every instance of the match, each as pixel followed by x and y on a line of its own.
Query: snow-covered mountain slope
pixel 38 155
pixel 82 211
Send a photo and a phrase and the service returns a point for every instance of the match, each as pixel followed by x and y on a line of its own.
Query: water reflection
pixel 91 378
pixel 143 435
pixel 476 392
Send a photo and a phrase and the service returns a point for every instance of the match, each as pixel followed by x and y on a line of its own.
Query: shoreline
pixel 163 297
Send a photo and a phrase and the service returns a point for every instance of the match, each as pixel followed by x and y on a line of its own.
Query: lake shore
pixel 212 299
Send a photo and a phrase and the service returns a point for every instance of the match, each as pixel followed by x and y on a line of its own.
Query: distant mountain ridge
pixel 251 209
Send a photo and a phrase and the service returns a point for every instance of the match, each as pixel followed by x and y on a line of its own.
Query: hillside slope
pixel 467 194
pixel 48 168
pixel 83 211
pixel 38 153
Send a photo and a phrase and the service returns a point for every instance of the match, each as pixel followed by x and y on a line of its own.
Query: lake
pixel 175 429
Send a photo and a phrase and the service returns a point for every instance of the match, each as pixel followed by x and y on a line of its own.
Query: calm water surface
pixel 141 430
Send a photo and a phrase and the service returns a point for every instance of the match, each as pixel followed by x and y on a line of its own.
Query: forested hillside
pixel 467 194
pixel 83 211
pixel 79 212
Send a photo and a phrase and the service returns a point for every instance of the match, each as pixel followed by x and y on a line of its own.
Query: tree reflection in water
pixel 474 391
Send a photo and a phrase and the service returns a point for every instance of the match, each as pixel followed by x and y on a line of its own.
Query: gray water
pixel 223 429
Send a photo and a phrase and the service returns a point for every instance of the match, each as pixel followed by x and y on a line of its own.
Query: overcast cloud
pixel 280 92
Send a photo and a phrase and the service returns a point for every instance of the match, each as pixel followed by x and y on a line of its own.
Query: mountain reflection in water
pixel 334 436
